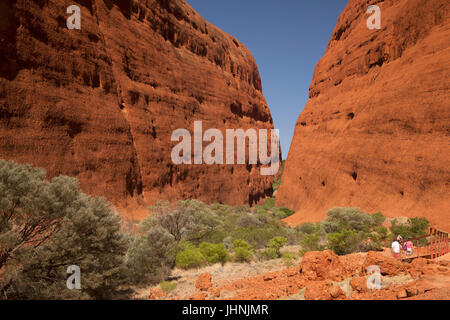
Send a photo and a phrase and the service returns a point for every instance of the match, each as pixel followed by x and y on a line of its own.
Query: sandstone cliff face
pixel 100 103
pixel 375 131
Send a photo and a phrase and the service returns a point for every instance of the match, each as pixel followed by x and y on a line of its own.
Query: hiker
pixel 396 249
pixel 409 247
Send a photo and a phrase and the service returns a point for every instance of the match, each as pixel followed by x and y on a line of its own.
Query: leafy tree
pixel 148 260
pixel 307 228
pixel 269 254
pixel 344 242
pixel 277 243
pixel 214 253
pixel 310 242
pixel 340 219
pixel 190 258
pixel 378 218
pixel 46 227
pixel 415 227
pixel 190 220
pixel 242 250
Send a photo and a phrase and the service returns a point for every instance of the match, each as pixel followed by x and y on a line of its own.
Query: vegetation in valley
pixel 46 226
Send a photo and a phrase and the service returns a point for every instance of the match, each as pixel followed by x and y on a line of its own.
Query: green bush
pixel 168 286
pixel 340 219
pixel 214 253
pixel 307 228
pixel 270 203
pixel 282 212
pixel 344 242
pixel 242 250
pixel 190 258
pixel 47 226
pixel 148 260
pixel 288 258
pixel 378 218
pixel 415 227
pixel 269 254
pixel 277 243
pixel 310 242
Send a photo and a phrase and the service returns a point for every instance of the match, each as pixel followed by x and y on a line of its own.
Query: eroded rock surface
pixel 101 103
pixel 375 131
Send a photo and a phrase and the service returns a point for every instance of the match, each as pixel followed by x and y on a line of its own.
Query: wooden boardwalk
pixel 438 244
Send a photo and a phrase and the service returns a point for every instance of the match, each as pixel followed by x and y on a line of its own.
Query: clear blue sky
pixel 287 38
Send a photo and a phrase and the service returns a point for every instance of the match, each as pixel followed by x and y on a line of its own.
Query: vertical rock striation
pixel 375 132
pixel 101 103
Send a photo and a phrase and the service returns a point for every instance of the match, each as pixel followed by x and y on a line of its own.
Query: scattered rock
pixel 156 294
pixel 359 284
pixel 203 282
pixel 323 290
pixel 321 265
pixel 199 296
pixel 402 294
pixel 388 265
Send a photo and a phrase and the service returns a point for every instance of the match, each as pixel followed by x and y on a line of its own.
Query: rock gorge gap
pixel 376 126
pixel 100 103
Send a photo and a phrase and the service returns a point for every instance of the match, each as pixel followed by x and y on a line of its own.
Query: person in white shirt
pixel 396 249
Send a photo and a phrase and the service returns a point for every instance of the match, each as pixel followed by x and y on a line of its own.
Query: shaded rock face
pixel 375 131
pixel 101 103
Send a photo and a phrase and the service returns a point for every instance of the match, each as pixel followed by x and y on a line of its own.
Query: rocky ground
pixel 317 276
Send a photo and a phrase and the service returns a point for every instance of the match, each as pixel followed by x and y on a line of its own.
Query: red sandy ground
pixel 326 276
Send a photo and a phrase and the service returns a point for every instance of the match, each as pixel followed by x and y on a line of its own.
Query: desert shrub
pixel 168 286
pixel 188 220
pixel 415 227
pixel 277 182
pixel 242 250
pixel 344 242
pixel 190 258
pixel 372 243
pixel 148 259
pixel 418 226
pixel 310 242
pixel 383 235
pixel 259 236
pixel 214 253
pixel 277 243
pixel 378 218
pixel 228 243
pixel 307 228
pixel 340 219
pixel 282 212
pixel 248 220
pixel 269 254
pixel 288 258
pixel 269 203
pixel 46 226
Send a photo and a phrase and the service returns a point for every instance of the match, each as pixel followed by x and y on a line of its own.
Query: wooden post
pixel 432 243
pixel 446 242
pixel 439 244
pixel 417 248
pixel 435 243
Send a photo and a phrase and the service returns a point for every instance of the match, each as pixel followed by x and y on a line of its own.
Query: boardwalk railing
pixel 437 244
